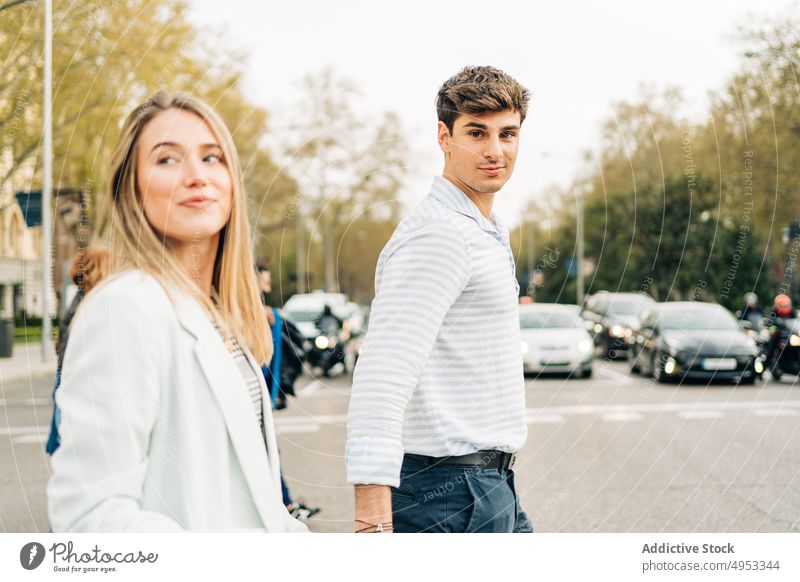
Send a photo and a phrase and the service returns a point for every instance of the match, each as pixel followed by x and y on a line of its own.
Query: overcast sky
pixel 578 58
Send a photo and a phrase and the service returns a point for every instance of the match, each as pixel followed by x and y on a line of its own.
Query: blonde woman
pixel 165 418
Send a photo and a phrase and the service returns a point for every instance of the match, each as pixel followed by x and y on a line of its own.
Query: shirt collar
pixel 454 199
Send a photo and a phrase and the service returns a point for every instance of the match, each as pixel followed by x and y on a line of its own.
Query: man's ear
pixel 444 138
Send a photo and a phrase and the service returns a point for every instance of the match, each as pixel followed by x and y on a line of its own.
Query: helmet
pixel 751 299
pixel 783 305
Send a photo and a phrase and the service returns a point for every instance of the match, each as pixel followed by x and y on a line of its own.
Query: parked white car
pixel 554 339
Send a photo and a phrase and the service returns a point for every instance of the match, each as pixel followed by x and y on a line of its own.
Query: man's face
pixel 481 150
pixel 265 281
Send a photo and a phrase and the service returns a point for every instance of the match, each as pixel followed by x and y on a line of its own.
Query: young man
pixel 437 411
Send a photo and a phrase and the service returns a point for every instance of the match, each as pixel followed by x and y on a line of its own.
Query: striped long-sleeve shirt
pixel 440 372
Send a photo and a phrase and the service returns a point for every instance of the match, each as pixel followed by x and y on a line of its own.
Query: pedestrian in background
pixel 89 267
pixel 437 411
pixel 280 374
pixel 166 423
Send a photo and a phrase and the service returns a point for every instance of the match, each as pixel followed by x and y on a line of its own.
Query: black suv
pixel 615 318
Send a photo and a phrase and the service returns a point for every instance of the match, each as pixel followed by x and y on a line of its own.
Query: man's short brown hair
pixel 476 90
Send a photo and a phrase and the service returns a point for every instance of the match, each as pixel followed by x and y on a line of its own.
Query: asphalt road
pixel 615 453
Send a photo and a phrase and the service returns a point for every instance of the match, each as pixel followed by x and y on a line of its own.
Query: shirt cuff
pixel 373 461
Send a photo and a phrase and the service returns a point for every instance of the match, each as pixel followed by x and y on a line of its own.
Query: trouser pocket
pixel 493 503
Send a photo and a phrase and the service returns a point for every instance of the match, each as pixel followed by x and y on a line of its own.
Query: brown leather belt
pixel 488 459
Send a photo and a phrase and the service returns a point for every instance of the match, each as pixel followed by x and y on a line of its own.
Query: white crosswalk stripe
pixel 548 415
pixel 770 412
pixel 621 416
pixel 699 414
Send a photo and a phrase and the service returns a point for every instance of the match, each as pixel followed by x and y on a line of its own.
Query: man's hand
pixel 373 507
pixel 270 315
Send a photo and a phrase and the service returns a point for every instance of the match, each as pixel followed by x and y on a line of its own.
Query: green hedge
pixel 31 333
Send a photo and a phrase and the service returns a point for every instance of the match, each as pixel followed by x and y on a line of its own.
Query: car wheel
pixel 586 373
pixel 611 353
pixel 635 367
pixel 747 381
pixel 776 373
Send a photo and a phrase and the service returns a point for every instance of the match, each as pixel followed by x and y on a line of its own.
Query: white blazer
pixel 158 431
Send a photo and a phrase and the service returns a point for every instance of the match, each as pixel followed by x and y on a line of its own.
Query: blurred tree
pixel 349 165
pixel 109 57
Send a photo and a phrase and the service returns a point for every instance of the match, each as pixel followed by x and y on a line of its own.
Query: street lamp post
pixel 529 217
pixel 579 272
pixel 47 189
pixel 300 240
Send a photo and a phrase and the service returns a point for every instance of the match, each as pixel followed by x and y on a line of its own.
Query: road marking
pixel 298 428
pixel 545 418
pixel 699 414
pixel 309 389
pixel 30 439
pixel 770 412
pixel 667 407
pixel 614 375
pixel 621 416
pixel 542 415
pixel 26 402
pixel 18 430
pixel 320 418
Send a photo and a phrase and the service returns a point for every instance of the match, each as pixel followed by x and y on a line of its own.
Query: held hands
pixel 373 509
pixel 364 527
pixel 270 315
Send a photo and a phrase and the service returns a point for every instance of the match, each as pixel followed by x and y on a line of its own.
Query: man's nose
pixel 492 147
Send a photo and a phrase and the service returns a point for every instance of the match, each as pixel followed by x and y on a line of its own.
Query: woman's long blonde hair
pixel 137 245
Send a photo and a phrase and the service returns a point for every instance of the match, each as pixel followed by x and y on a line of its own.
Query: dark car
pixel 615 319
pixel 695 340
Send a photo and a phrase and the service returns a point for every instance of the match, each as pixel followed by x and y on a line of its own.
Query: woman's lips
pixel 198 202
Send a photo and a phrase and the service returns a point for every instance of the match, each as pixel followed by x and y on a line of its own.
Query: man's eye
pixel 507 135
pixel 475 134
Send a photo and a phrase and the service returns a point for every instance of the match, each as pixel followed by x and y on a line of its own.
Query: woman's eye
pixel 166 161
pixel 213 158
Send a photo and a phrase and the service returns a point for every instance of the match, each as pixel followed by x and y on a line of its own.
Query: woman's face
pixel 186 188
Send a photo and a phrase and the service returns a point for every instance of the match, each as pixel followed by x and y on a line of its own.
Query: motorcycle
pixel 785 357
pixel 328 349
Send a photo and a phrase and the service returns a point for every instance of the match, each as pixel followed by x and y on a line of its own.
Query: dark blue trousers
pixel 456 499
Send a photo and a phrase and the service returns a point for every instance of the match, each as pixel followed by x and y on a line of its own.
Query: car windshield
pixel 697 318
pixel 625 307
pixel 548 319
pixel 304 316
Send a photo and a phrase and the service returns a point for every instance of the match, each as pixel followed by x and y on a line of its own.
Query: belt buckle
pixel 512 460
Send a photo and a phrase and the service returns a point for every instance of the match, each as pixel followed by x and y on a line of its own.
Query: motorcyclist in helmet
pixel 751 312
pixel 328 322
pixel 776 322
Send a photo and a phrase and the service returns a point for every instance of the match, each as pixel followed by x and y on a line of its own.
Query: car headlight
pixel 616 331
pixel 598 328
pixel 525 347
pixel 759 366
pixel 321 342
pixel 584 346
pixel 794 339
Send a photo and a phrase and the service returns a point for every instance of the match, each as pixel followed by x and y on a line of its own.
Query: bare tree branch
pixel 12 3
